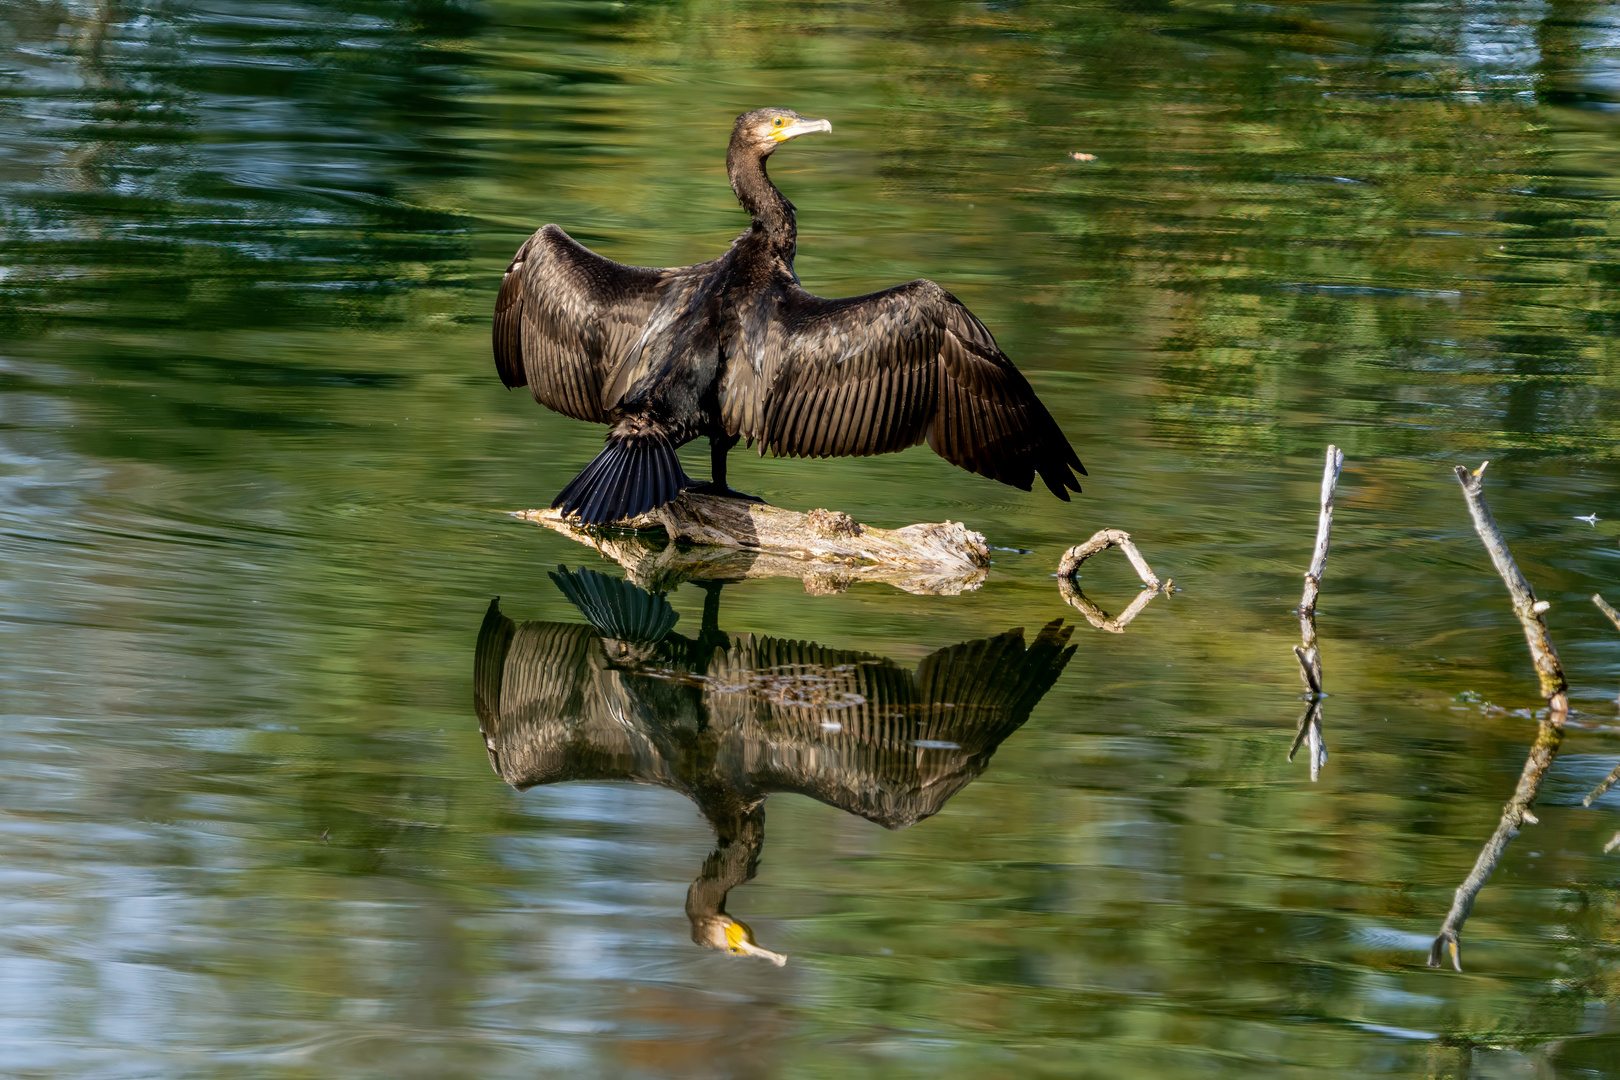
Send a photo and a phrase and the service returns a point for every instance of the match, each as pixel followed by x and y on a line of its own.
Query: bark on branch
pixel 1095 615
pixel 1514 816
pixel 1101 541
pixel 1310 657
pixel 1614 616
pixel 1548 737
pixel 728 539
pixel 1307 651
pixel 1324 523
pixel 1525 605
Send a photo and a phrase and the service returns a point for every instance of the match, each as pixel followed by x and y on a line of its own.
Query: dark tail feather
pixel 630 476
pixel 615 607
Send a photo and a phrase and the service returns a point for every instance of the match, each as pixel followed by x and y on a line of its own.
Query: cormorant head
pixel 765 129
pixel 720 931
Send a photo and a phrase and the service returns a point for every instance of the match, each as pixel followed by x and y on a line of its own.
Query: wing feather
pixel 565 319
pixel 886 371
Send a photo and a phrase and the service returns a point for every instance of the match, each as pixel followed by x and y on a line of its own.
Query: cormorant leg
pixel 711 608
pixel 719 447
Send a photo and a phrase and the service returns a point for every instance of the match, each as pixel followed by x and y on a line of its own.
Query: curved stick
pixel 1554 687
pixel 1514 815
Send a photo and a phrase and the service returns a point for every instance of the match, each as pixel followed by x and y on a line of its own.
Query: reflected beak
pixel 739 938
pixel 801 127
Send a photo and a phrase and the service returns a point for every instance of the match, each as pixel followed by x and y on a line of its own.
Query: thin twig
pixel 1312 674
pixel 1603 606
pixel 1597 792
pixel 1324 522
pixel 1310 657
pixel 1102 540
pixel 1614 616
pixel 1310 731
pixel 1514 815
pixel 1525 605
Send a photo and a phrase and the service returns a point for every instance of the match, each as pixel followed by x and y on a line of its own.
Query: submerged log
pixel 718 539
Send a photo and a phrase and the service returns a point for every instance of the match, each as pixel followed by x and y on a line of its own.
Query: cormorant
pixel 734 348
pixel 730 719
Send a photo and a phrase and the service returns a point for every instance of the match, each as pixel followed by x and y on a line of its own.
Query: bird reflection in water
pixel 729 719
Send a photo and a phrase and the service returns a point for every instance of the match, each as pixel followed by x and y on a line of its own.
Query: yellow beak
pixel 800 127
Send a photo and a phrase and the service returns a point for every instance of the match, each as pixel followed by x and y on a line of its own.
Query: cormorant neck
pixel 772 212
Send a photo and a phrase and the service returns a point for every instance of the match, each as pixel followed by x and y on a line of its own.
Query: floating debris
pixel 1590 519
pixel 1078 156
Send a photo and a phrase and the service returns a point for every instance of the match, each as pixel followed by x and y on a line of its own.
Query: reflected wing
pixel 979 692
pixel 877 373
pixel 860 733
pixel 551 706
pixel 566 317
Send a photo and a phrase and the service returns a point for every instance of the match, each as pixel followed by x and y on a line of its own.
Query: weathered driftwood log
pixel 728 539
pixel 1551 733
pixel 1514 816
pixel 1525 605
pixel 1101 541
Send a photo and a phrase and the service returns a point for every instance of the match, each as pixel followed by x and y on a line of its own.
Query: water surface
pixel 256 469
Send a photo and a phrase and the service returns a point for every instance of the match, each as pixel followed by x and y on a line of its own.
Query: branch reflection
pixel 729 719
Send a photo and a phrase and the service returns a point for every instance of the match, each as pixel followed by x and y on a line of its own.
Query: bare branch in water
pixel 1095 615
pixel 1597 792
pixel 1324 522
pixel 1551 733
pixel 1312 674
pixel 1614 617
pixel 1307 652
pixel 1102 540
pixel 1310 733
pixel 1514 816
pixel 1554 687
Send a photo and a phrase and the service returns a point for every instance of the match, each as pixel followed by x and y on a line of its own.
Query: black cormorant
pixel 730 719
pixel 734 348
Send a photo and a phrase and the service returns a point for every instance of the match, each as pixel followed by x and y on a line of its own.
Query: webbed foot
pixel 724 492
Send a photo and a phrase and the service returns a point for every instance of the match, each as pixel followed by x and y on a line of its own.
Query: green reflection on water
pixel 253 458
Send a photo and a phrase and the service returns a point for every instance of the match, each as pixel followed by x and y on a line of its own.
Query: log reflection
pixel 729 719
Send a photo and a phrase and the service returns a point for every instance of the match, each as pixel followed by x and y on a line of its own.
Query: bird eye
pixel 779 121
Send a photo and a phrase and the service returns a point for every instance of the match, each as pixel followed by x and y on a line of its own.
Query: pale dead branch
pixel 728 540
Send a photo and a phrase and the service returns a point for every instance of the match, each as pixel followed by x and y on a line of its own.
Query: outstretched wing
pixel 877 373
pixel 566 317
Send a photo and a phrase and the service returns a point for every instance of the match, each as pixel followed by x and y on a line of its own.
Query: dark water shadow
pixel 730 719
